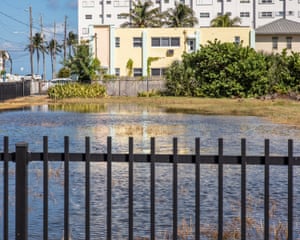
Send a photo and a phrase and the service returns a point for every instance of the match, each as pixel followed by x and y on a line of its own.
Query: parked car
pixel 55 81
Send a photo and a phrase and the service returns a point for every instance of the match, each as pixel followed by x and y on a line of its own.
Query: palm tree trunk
pixel 44 67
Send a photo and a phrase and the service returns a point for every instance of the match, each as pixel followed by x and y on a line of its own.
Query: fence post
pixel 21 191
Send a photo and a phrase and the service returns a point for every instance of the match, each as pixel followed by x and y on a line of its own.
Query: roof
pixel 280 26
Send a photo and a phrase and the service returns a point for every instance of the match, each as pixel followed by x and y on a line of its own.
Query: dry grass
pixel 283 111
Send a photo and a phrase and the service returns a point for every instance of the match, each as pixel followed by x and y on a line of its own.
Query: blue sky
pixel 14 27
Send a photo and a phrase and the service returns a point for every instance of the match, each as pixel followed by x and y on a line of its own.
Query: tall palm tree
pixel 225 21
pixel 54 48
pixel 142 15
pixel 38 44
pixel 71 42
pixel 180 16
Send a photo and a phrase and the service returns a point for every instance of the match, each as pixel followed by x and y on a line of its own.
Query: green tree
pixel 180 16
pixel 142 15
pixel 225 21
pixel 72 40
pixel 219 70
pixel 39 46
pixel 129 67
pixel 54 48
pixel 83 64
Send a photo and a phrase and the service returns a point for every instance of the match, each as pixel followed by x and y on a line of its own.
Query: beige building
pixel 152 50
pixel 278 35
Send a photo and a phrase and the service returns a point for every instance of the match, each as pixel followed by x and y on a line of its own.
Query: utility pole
pixel 65 39
pixel 54 53
pixel 43 51
pixel 31 42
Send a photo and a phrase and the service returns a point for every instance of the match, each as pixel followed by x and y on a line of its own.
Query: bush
pixel 231 70
pixel 73 90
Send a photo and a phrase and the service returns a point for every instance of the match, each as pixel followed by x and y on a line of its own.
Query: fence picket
pixel 45 187
pixel 21 156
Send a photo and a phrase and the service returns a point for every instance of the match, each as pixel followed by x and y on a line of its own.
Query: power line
pixel 14 19
pixel 27 25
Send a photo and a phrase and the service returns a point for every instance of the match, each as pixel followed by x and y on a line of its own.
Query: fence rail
pixel 22 157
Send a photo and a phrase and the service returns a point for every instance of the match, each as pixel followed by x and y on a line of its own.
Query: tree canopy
pixel 180 16
pixel 225 21
pixel 142 15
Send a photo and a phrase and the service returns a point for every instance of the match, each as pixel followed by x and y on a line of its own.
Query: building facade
pixel 152 50
pixel 253 13
pixel 277 36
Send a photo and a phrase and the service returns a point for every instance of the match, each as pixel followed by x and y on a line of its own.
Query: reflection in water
pixel 120 122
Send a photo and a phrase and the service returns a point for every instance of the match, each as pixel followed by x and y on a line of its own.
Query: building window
pixel 266 1
pixel 117 42
pixel 204 15
pixel 88 4
pixel 117 72
pixel 289 42
pixel 155 42
pixel 137 42
pixel 108 15
pixel 244 14
pixel 244 1
pixel 137 72
pixel 228 13
pixel 165 42
pixel 266 14
pixel 279 14
pixel 101 16
pixel 120 16
pixel 274 42
pixel 155 71
pixel 204 2
pixel 88 16
pixel 290 13
pixel 108 2
pixel 237 39
pixel 166 1
pixel 158 71
pixel 175 41
pixel 85 31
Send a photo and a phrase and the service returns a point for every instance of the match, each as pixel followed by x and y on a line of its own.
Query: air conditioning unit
pixel 170 52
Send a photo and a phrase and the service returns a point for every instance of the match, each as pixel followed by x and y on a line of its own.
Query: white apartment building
pixel 253 13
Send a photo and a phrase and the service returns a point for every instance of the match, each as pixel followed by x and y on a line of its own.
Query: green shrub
pixel 74 90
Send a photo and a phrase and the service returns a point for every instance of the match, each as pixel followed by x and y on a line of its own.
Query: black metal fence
pixel 22 157
pixel 10 90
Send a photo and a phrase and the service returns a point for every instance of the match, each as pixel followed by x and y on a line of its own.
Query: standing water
pixel 120 122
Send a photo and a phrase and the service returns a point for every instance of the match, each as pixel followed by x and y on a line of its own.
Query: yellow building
pixel 152 50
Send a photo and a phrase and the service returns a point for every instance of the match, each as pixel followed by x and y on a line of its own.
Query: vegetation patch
pixel 230 70
pixel 74 90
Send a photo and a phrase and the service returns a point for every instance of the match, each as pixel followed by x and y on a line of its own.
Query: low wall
pixel 131 87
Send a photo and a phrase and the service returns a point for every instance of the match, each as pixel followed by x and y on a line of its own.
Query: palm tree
pixel 38 44
pixel 225 21
pixel 71 42
pixel 142 15
pixel 180 16
pixel 54 48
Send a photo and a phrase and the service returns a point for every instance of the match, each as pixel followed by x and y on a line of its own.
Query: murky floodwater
pixel 122 121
